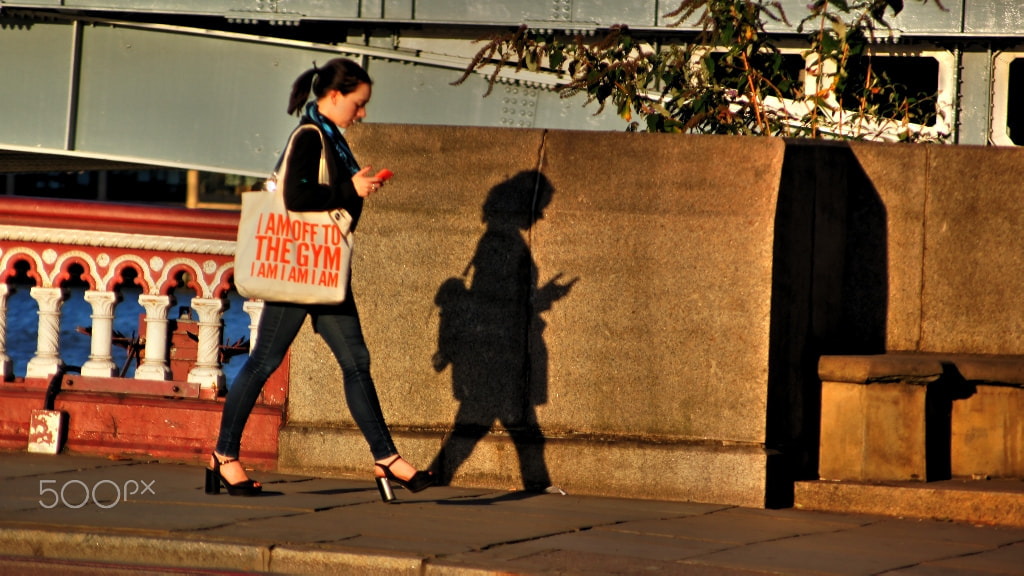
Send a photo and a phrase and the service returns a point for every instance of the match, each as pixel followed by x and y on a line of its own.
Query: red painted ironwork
pixel 116 217
pixel 106 240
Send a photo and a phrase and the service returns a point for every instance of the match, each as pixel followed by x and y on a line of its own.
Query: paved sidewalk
pixel 84 515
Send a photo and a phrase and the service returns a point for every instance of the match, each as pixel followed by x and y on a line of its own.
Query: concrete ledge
pixel 997 502
pixel 678 471
pixel 1004 370
pixel 451 569
pixel 141 550
pixel 186 553
pixel 922 367
pixel 313 562
pixel 879 368
pixel 921 416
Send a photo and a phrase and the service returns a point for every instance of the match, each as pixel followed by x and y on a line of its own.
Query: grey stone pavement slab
pixel 85 515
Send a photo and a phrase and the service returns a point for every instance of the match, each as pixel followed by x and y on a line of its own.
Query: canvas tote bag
pixel 297 257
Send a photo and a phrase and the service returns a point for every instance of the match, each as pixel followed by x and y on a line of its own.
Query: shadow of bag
pixel 296 257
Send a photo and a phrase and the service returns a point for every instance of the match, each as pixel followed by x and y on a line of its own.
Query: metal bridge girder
pixel 189 98
pixel 997 17
pixel 76 82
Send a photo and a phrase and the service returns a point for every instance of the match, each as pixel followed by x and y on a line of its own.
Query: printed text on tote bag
pixel 300 252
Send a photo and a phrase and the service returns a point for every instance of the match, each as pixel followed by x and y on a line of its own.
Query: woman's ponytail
pixel 339 74
pixel 300 90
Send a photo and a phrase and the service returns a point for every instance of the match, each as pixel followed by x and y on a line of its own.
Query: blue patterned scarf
pixel 334 136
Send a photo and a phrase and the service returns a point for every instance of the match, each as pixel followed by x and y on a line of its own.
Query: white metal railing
pixel 160 263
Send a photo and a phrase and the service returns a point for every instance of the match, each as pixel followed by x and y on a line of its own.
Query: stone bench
pixel 921 416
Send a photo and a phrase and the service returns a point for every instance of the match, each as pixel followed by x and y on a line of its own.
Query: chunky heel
pixel 420 481
pixel 214 479
pixel 386 493
pixel 212 482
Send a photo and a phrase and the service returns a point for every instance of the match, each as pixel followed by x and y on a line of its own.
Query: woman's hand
pixel 365 183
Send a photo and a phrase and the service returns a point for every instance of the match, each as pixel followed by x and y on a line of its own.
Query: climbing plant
pixel 730 77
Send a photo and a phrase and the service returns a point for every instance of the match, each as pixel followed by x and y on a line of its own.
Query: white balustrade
pixel 101 359
pixel 154 365
pixel 254 308
pixel 207 372
pixel 6 365
pixel 47 360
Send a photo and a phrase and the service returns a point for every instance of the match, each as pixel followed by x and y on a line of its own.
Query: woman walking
pixel 342 90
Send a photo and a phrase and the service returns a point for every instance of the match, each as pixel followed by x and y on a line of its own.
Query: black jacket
pixel 302 191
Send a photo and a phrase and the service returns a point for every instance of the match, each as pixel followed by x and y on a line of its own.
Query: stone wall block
pixel 988 433
pixel 873 432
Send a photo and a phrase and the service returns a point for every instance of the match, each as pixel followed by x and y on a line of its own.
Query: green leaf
pixel 727 32
pixel 531 61
pixel 878 8
pixel 830 45
pixel 556 58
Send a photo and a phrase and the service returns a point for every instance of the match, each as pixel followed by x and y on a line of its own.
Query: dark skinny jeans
pixel 339 327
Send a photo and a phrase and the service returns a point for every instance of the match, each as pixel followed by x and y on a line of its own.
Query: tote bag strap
pixel 340 217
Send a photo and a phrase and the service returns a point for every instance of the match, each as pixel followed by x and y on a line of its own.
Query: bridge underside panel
pixel 551 12
pixel 405 93
pixel 16 162
pixel 187 100
pixel 180 97
pixel 35 86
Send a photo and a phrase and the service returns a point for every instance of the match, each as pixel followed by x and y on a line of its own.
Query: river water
pixel 23 323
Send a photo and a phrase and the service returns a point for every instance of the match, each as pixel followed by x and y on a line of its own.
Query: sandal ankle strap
pixel 389 464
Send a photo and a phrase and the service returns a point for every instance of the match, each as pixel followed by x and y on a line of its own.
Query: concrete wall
pixel 619 344
pixel 955 247
pixel 655 333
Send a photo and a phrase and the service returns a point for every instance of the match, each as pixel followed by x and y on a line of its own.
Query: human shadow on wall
pixel 491 334
pixel 830 294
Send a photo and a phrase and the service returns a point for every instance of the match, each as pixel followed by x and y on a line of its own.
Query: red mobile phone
pixel 384 174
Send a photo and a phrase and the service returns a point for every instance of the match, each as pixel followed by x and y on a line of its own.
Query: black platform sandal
pixel 214 480
pixel 420 481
